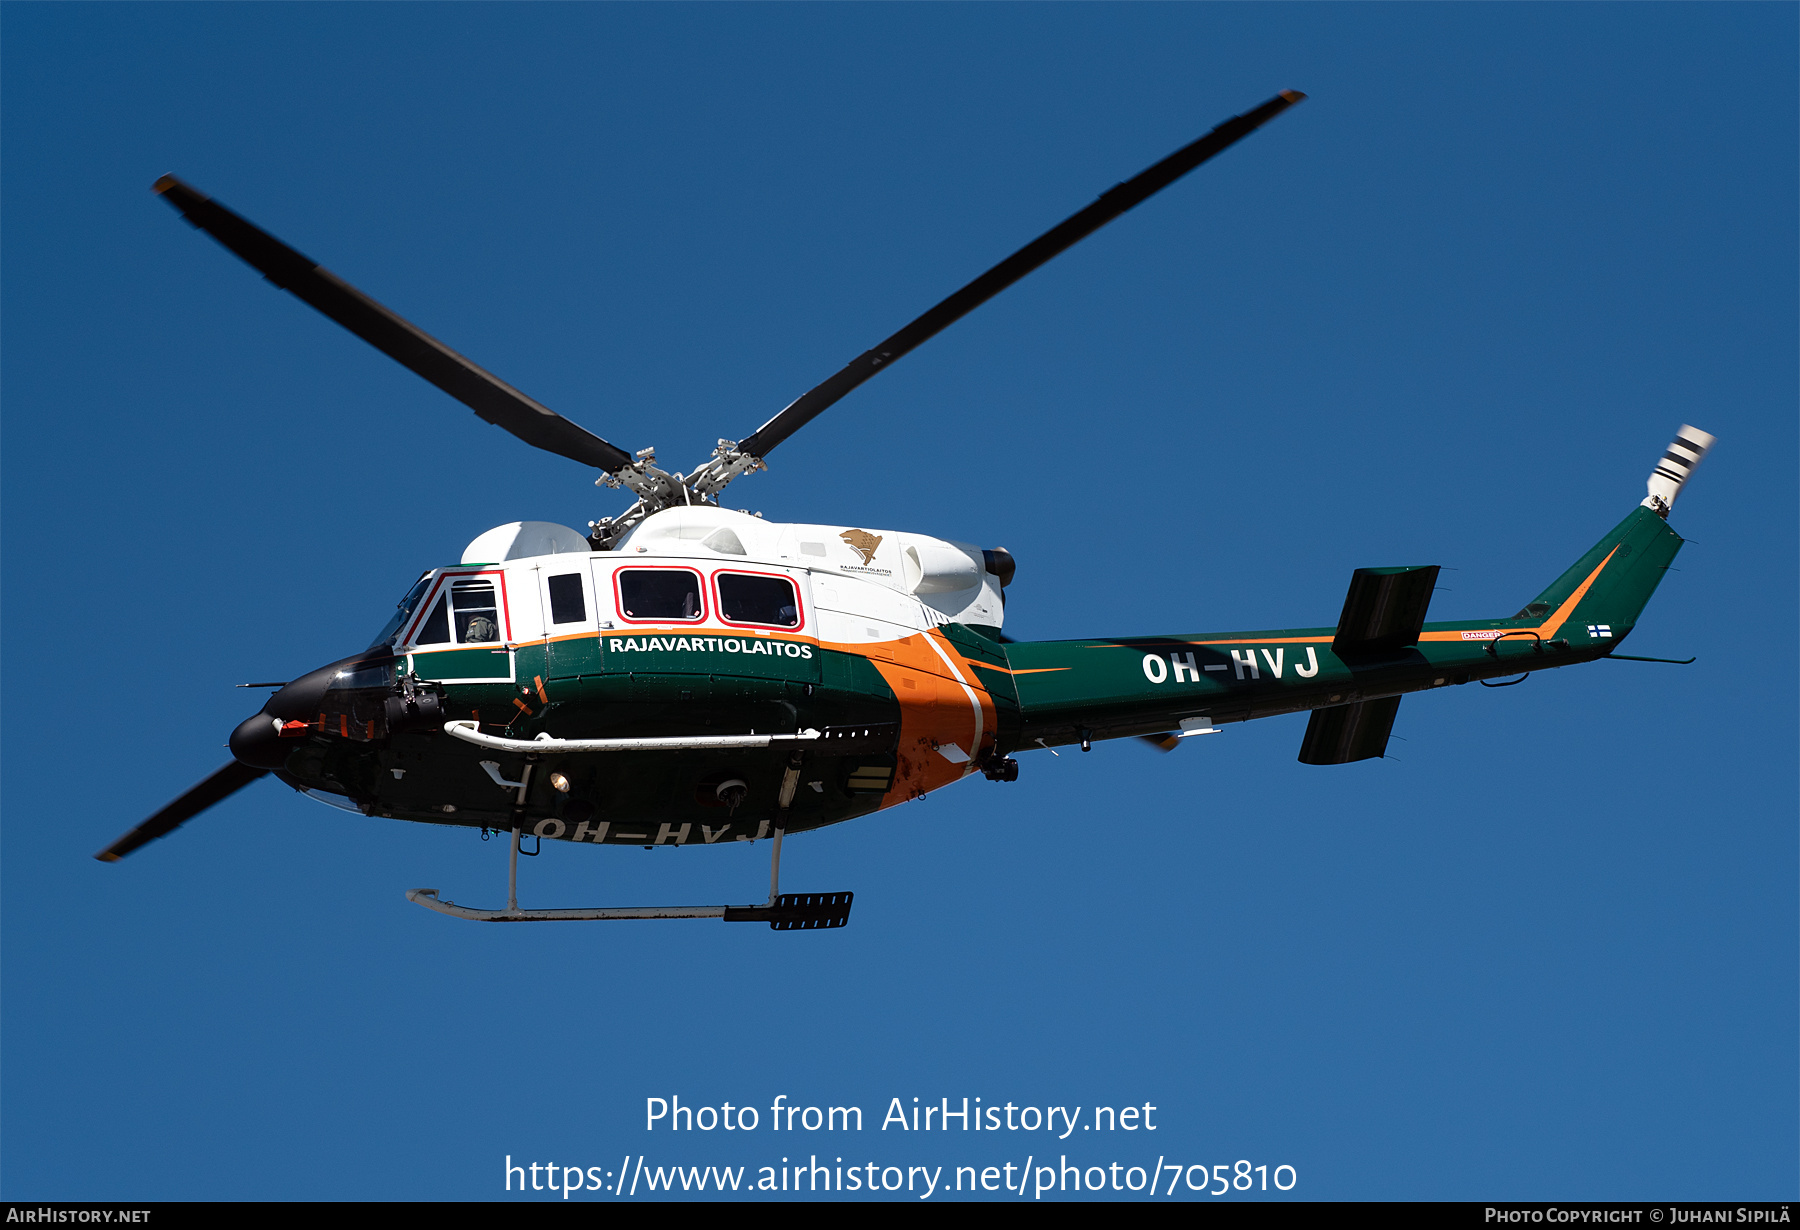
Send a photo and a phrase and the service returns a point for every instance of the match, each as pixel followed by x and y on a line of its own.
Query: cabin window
pixel 474 612
pixel 753 599
pixel 659 594
pixel 567 605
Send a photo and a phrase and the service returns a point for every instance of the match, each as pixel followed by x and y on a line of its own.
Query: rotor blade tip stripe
pixel 1293 96
pixel 165 183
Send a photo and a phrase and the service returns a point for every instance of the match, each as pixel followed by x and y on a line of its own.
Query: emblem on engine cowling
pixel 862 542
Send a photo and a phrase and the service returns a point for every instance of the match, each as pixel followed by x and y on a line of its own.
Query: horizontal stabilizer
pixel 1384 610
pixel 1345 733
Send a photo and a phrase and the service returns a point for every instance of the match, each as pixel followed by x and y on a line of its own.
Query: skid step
pixel 790 912
pixel 796 911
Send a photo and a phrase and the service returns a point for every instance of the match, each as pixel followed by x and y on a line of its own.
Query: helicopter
pixel 683 674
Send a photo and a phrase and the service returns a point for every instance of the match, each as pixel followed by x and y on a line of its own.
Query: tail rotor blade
pixel 1676 467
pixel 483 392
pixel 215 789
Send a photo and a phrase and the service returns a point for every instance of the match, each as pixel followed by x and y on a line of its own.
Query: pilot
pixel 481 628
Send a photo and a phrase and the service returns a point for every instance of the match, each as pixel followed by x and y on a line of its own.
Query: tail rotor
pixel 1675 468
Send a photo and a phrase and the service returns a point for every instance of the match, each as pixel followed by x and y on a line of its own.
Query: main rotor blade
pixel 215 789
pixel 480 390
pixel 1111 204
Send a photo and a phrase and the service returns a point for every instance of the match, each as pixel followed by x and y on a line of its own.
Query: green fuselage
pixel 888 715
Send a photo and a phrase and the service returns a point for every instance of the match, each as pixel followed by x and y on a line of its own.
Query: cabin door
pixel 571 641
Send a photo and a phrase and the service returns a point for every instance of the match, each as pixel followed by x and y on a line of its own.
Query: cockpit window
pixel 476 617
pixel 659 593
pixel 436 628
pixel 402 613
pixel 464 612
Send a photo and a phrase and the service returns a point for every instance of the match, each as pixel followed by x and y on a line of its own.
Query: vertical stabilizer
pixel 1677 465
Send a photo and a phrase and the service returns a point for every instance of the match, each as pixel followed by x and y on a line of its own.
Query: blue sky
pixel 1448 311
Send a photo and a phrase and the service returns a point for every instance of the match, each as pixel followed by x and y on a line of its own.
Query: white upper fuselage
pixel 855 586
pixel 948 580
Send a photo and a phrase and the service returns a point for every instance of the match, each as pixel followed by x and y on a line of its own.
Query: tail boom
pixel 1085 690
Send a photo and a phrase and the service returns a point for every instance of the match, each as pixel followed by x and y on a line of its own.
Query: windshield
pixel 402 612
pixel 366 675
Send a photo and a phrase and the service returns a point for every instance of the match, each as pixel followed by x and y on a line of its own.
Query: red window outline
pixel 619 598
pixel 423 610
pixel 799 604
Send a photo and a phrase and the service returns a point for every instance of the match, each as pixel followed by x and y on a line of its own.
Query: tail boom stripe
pixel 1554 623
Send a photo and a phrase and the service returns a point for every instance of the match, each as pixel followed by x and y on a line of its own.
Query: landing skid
pixel 783 912
pixel 790 912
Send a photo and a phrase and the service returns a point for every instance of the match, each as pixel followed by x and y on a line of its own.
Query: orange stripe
pixel 1266 640
pixel 1272 640
pixel 1030 670
pixel 1567 608
pixel 977 693
pixel 542 695
pixel 934 710
pixel 1550 626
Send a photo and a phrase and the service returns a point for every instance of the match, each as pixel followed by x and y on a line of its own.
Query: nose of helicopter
pixel 256 741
